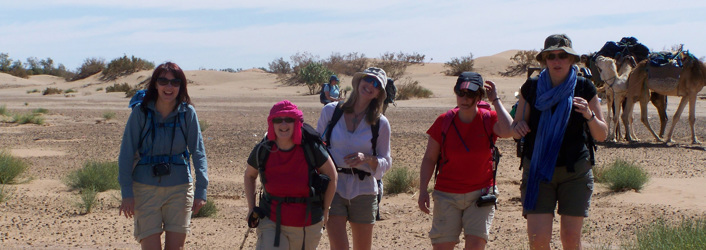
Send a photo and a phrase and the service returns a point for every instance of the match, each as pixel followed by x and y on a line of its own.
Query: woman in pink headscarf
pixel 291 214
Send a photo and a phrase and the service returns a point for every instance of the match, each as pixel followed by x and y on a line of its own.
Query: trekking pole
pixel 245 238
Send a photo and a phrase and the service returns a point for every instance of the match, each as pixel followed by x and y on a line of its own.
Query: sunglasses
pixel 373 80
pixel 279 120
pixel 163 81
pixel 468 94
pixel 561 56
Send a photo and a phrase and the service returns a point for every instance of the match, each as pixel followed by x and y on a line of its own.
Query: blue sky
pixel 245 34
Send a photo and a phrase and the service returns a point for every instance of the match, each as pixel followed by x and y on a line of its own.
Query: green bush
pixel 203 125
pixel 118 87
pixel 688 234
pixel 3 110
pixel 208 210
pixel 410 89
pixel 40 111
pixel 124 66
pixel 313 75
pixel 34 118
pixel 90 66
pixel 32 91
pixel 108 115
pixel 399 180
pixel 348 64
pixel 51 91
pixel 88 199
pixel 459 65
pixel 99 88
pixel 10 167
pixel 622 175
pixel 69 91
pixel 521 61
pixel 280 66
pixel 5 192
pixel 100 176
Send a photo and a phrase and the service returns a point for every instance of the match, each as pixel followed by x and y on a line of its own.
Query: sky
pixel 219 34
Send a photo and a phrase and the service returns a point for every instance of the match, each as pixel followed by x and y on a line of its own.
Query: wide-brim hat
pixel 558 42
pixel 372 71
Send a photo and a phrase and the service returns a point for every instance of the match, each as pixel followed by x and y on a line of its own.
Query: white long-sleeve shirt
pixel 344 143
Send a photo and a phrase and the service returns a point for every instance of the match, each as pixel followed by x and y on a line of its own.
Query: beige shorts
pixel 159 209
pixel 453 212
pixel 361 209
pixel 290 237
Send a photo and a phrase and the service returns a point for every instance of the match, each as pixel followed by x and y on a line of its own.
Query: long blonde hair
pixel 374 109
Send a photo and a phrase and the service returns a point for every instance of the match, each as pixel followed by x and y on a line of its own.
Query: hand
pixel 127 207
pixel 491 90
pixel 325 216
pixel 354 159
pixel 198 204
pixel 423 201
pixel 581 106
pixel 520 127
pixel 247 215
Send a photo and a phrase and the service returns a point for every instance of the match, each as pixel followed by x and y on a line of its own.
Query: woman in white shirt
pixel 361 157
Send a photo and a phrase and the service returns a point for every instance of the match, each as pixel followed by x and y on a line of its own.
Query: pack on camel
pixel 616 88
pixel 671 80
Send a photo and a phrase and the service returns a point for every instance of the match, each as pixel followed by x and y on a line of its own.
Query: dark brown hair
pixel 161 70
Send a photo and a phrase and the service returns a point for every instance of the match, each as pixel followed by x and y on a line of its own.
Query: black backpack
pixel 391 91
pixel 318 183
pixel 322 95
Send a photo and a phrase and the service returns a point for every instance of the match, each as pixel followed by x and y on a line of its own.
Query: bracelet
pixel 496 98
pixel 593 116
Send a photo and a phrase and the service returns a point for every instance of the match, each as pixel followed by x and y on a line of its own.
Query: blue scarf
pixel 550 132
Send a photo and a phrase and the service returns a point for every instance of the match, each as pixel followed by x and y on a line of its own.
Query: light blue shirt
pixel 333 91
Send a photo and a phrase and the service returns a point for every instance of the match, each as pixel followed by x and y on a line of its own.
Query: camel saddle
pixel 664 79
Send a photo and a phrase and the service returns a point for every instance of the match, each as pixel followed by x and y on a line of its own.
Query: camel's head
pixel 607 69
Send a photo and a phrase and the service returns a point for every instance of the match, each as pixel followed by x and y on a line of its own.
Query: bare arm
pixel 520 127
pixel 329 170
pixel 597 126
pixel 249 181
pixel 502 128
pixel 426 172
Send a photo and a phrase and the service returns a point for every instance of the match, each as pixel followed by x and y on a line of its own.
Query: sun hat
pixel 372 71
pixel 287 109
pixel 333 77
pixel 468 80
pixel 558 42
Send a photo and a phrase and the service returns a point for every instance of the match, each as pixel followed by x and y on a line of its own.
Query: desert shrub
pixel 399 180
pixel 90 66
pixel 17 69
pixel 124 65
pixel 32 91
pixel 408 89
pixel 313 75
pixel 687 234
pixel 88 199
pixel 207 210
pixel 280 66
pixel 99 88
pixel 118 87
pixel 100 176
pixel 5 192
pixel 108 115
pixel 69 91
pixel 522 60
pixel 622 175
pixel 35 118
pixel 414 58
pixel 459 65
pixel 203 125
pixel 392 64
pixel 40 111
pixel 10 167
pixel 231 70
pixel 347 64
pixel 51 91
pixel 3 110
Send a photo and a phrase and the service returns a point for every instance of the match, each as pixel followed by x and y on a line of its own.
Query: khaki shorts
pixel 360 209
pixel 290 237
pixel 572 191
pixel 159 209
pixel 453 212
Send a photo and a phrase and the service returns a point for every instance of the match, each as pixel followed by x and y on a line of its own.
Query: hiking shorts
pixel 453 212
pixel 361 209
pixel 290 237
pixel 572 191
pixel 159 209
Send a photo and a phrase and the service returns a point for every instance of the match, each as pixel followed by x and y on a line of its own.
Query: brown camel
pixel 686 82
pixel 616 88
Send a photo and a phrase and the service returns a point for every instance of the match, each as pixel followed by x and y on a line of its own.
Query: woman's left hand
pixel 198 204
pixel 491 90
pixel 581 106
pixel 355 159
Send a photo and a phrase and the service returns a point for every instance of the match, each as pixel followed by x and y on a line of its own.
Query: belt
pixel 361 174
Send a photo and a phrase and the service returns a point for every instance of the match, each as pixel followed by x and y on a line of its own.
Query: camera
pixel 520 146
pixel 161 169
pixel 486 200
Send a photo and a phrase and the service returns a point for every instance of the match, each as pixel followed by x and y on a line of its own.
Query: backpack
pixel 391 91
pixel 322 95
pixel 484 109
pixel 318 183
pixel 181 158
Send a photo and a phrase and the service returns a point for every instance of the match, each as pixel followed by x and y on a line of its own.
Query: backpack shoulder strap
pixel 337 113
pixel 261 155
pixel 445 125
pixel 375 129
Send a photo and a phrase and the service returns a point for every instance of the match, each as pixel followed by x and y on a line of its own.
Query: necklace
pixel 356 119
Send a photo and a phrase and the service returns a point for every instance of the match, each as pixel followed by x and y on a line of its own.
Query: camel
pixel 689 80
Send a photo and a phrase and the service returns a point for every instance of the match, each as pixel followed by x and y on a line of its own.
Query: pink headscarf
pixel 287 109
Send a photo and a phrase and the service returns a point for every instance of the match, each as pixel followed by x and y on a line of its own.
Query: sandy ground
pixel 42 212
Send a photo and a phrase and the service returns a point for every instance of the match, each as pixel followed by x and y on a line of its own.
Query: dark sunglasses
pixel 279 120
pixel 163 81
pixel 468 94
pixel 561 56
pixel 373 80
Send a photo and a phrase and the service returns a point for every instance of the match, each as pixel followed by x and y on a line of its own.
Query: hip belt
pixel 361 174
